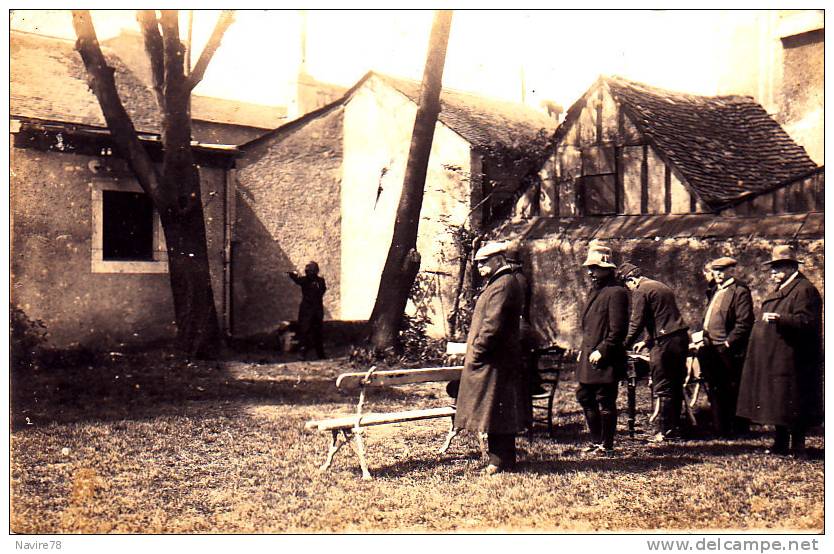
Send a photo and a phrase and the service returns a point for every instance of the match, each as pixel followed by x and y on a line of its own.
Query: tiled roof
pixel 129 47
pixel 481 121
pixel 234 112
pixel 48 81
pixel 664 226
pixel 724 146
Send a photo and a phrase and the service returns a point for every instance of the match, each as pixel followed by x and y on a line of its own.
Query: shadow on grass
pixel 142 389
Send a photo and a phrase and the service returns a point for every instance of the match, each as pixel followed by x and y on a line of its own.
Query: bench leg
pixel 337 441
pixel 359 448
pixel 449 436
pixel 482 438
pixel 632 405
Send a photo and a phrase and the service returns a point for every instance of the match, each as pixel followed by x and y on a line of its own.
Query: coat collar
pixel 594 293
pixel 787 288
pixel 503 270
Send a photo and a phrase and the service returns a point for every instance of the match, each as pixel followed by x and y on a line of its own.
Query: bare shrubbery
pixel 27 338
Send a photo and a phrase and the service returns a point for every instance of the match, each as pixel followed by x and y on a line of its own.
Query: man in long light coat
pixel 781 383
pixel 492 387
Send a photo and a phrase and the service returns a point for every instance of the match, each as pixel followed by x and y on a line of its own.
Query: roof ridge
pixel 40 35
pixel 445 88
pixel 660 90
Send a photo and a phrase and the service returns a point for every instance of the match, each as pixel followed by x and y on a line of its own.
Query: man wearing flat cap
pixel 492 395
pixel 727 324
pixel 655 311
pixel 602 360
pixel 781 383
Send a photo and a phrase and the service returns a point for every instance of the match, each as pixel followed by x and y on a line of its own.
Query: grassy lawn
pixel 155 445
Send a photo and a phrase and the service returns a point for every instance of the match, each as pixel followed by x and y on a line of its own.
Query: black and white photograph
pixel 289 274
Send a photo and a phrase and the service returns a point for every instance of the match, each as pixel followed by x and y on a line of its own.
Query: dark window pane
pixel 599 193
pixel 128 226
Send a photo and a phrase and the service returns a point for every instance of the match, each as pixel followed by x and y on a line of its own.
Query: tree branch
pixel 226 18
pixel 101 80
pixel 153 46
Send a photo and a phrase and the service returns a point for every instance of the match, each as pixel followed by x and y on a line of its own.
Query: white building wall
pixel 377 134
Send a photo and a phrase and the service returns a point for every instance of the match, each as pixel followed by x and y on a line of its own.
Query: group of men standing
pixel 767 371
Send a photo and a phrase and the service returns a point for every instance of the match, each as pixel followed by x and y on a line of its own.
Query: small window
pixel 127 226
pixel 600 194
pixel 126 235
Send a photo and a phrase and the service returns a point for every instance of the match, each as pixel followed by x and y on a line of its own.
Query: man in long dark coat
pixel 654 309
pixel 781 383
pixel 492 388
pixel 602 360
pixel 727 324
pixel 311 309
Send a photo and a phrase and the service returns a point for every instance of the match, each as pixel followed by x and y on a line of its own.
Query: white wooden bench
pixel 345 428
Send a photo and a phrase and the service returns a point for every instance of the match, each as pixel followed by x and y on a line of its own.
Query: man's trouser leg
pixel 607 398
pixel 718 369
pixel 317 336
pixel 501 450
pixel 667 360
pixel 586 395
pixel 781 440
pixel 706 359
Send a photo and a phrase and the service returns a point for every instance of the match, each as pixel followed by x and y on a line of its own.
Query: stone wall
pixel 287 213
pixel 560 283
pixel 51 249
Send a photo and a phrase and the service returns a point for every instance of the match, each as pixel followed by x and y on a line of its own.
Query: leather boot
pixel 608 428
pixel 592 417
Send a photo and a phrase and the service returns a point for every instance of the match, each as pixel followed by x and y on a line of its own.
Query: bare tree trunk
pixel 175 191
pixel 403 260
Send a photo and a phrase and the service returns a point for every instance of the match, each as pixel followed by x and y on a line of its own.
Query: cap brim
pixel 599 264
pixel 771 262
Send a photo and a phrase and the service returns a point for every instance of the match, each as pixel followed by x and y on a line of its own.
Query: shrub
pixel 27 338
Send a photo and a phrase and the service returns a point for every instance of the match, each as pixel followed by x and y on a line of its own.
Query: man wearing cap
pixel 602 360
pixel 781 383
pixel 727 324
pixel 655 311
pixel 492 395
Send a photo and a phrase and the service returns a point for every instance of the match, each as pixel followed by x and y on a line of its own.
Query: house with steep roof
pixel 326 186
pixel 88 255
pixel 669 181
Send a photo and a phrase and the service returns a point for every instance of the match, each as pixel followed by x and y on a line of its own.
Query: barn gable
pixel 627 148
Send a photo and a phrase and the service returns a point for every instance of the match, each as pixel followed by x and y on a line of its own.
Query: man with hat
pixel 602 360
pixel 781 383
pixel 492 395
pixel 655 311
pixel 727 323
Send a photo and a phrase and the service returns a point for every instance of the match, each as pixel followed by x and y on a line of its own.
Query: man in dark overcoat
pixel 727 323
pixel 311 309
pixel 781 383
pixel 529 337
pixel 602 359
pixel 655 311
pixel 492 392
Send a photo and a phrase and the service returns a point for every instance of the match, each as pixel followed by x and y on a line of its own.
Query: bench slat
pixel 379 418
pixel 348 381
